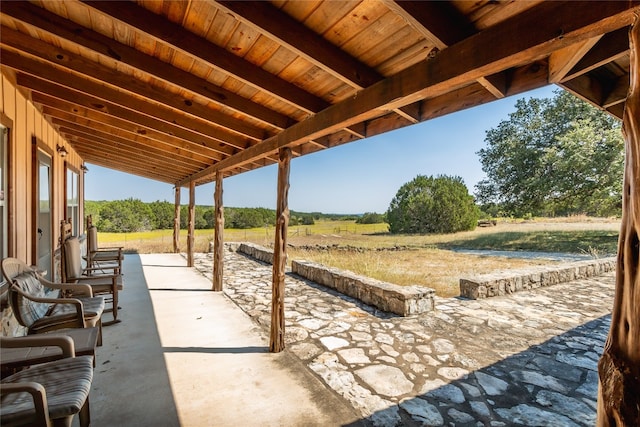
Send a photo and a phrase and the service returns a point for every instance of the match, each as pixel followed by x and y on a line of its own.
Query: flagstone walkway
pixel 527 359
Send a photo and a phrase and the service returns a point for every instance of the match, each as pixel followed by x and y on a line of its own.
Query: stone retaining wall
pixel 508 282
pixel 401 300
pixel 256 251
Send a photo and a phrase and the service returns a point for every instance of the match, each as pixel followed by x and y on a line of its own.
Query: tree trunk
pixel 218 246
pixel 619 366
pixel 176 222
pixel 276 343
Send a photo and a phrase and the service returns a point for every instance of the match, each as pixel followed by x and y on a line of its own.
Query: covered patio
pixel 193 92
pixel 186 356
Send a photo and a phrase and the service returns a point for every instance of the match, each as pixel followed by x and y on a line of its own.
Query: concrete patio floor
pixel 186 356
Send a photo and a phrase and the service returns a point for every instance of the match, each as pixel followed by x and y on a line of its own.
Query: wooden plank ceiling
pixel 177 90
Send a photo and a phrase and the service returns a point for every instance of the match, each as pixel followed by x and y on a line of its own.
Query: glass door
pixel 44 242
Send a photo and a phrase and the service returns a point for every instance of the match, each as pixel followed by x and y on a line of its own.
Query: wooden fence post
pixel 218 246
pixel 619 366
pixel 276 341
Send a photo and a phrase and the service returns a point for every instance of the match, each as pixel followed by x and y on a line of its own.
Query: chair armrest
pixel 39 396
pixel 115 270
pixel 64 342
pixel 76 302
pixel 110 248
pixel 75 289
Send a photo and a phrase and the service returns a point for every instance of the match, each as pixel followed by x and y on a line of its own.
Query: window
pixel 73 204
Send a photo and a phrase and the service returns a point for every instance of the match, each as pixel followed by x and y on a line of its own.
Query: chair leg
pixel 63 422
pixel 85 415
pixel 100 332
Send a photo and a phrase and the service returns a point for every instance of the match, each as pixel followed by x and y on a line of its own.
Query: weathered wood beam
pixel 610 47
pixel 198 142
pixel 191 237
pixel 617 93
pixel 119 148
pixel 218 246
pixel 314 48
pixel 443 25
pixel 277 335
pixel 226 142
pixel 453 68
pixel 176 36
pixel 132 139
pixel 300 39
pixel 563 60
pixel 619 366
pixel 176 220
pixel 62 61
pixel 106 47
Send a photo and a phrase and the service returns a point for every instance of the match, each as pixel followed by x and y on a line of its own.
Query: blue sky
pixel 362 176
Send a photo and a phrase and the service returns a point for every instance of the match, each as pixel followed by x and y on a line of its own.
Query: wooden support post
pixel 192 221
pixel 276 341
pixel 619 366
pixel 218 246
pixel 176 222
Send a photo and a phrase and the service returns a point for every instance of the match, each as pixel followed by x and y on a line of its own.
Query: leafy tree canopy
pixel 557 156
pixel 432 205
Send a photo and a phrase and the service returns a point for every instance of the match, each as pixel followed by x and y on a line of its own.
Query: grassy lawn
pixel 426 260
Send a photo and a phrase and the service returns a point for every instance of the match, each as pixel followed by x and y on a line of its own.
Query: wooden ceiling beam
pixel 442 24
pixel 91 145
pixel 618 92
pixel 563 60
pixel 135 147
pixel 53 74
pixel 198 141
pixel 296 37
pixel 610 47
pixel 49 56
pixel 180 39
pixel 173 146
pixel 455 68
pixel 113 162
pixel 55 25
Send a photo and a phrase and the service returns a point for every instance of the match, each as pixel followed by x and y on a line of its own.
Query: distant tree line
pixel 124 216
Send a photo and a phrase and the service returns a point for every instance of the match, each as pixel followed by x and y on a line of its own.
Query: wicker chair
pixel 47 394
pixel 64 306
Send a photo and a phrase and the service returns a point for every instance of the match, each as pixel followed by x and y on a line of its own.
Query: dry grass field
pixel 427 260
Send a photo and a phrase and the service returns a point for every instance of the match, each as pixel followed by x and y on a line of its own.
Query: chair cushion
pixel 30 311
pixel 73 257
pixel 66 381
pixel 92 238
pixel 93 306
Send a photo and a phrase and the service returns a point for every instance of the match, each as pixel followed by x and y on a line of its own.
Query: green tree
pixel 162 214
pixel 432 205
pixel 370 218
pixel 124 216
pixel 555 156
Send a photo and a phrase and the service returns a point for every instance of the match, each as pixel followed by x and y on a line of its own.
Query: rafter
pixel 44 20
pixel 441 24
pixel 610 47
pixel 205 143
pixel 563 60
pixel 176 36
pixel 452 68
pixel 150 107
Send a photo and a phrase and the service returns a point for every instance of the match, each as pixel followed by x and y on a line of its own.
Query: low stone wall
pixel 508 282
pixel 401 300
pixel 256 251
